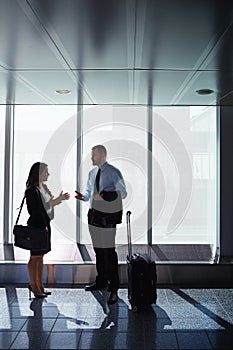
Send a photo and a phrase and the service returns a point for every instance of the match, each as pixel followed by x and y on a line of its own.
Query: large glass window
pixel 2 150
pixel 183 192
pixel 184 175
pixel 47 134
pixel 123 130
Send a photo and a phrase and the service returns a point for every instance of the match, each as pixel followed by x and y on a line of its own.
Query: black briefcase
pixel 30 238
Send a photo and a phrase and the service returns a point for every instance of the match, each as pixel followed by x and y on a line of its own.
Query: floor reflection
pixel 74 319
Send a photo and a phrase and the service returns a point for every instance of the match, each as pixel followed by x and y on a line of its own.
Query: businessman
pixel 105 191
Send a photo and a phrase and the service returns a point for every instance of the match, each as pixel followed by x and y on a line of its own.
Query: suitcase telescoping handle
pixel 129 234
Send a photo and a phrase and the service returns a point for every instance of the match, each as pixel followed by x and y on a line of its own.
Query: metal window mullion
pixel 149 174
pixel 217 250
pixel 8 166
pixel 79 160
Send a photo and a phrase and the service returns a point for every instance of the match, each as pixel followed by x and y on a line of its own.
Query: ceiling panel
pixel 221 57
pixel 162 86
pixel 116 52
pixel 108 87
pixel 90 34
pixel 33 87
pixel 219 82
pixel 23 41
pixel 200 80
pixel 43 84
pixel 176 34
pixel 3 80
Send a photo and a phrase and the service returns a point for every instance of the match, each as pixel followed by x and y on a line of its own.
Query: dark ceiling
pixel 116 51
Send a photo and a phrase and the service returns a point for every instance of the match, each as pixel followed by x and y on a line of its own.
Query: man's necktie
pixel 97 180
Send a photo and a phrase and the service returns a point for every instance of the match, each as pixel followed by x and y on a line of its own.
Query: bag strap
pixel 22 203
pixel 21 207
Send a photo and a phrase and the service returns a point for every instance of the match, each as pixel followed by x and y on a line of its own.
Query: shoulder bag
pixel 30 238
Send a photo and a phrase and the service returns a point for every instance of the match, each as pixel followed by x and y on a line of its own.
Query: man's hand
pixel 79 196
pixel 98 197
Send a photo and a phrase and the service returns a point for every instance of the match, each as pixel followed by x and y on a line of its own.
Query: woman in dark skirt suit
pixel 40 205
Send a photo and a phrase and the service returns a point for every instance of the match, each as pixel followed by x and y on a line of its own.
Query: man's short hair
pixel 100 149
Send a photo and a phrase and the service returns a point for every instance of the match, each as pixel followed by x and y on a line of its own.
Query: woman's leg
pixel 40 273
pixel 33 273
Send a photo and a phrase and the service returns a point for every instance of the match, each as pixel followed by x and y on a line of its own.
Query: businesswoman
pixel 40 206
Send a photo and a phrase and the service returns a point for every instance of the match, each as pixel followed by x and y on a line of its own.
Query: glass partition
pixel 123 131
pixel 2 155
pixel 184 175
pixel 47 134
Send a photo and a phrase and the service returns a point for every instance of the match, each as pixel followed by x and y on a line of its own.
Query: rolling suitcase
pixel 142 276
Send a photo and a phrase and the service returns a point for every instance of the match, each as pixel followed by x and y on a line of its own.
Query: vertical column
pixel 149 157
pixel 8 163
pixel 79 158
pixel 217 250
pixel 149 173
pixel 226 183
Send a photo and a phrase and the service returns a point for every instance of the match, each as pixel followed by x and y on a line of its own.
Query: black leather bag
pixel 30 238
pixel 106 212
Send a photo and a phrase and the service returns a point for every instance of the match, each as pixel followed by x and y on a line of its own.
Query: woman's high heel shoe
pixel 30 291
pixel 40 295
pixel 47 292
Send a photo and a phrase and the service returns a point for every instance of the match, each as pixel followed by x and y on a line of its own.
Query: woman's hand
pixel 64 196
pixel 56 201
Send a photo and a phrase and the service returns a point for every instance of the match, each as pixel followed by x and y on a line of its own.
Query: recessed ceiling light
pixel 63 92
pixel 204 91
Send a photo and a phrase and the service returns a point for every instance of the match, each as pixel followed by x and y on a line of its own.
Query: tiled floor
pixel 74 319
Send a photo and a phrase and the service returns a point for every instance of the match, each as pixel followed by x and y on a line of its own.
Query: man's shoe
pixel 93 286
pixel 113 298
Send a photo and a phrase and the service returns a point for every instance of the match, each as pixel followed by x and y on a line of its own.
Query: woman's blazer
pixel 37 208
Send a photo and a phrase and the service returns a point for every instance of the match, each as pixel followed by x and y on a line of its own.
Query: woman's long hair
pixel 34 175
